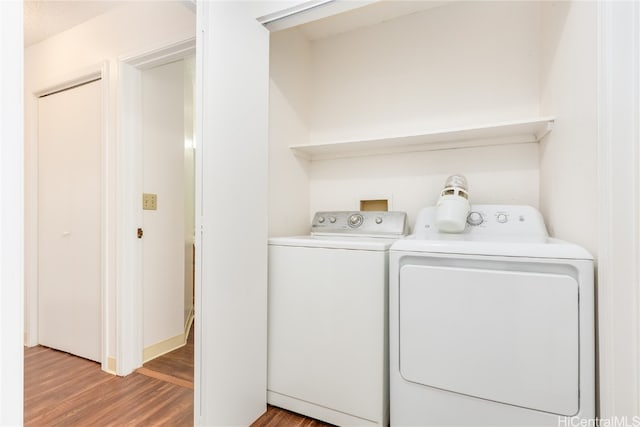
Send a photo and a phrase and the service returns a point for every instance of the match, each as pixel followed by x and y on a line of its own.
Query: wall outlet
pixel 149 201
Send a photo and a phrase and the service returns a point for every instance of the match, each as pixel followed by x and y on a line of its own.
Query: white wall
pixel 163 165
pixel 289 88
pixel 505 175
pixel 11 214
pixel 568 156
pixel 569 199
pixel 132 27
pixel 460 64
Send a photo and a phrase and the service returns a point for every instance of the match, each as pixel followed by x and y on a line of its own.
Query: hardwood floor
pixel 277 417
pixel 178 363
pixel 65 390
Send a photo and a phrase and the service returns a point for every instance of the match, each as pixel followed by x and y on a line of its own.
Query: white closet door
pixel 69 221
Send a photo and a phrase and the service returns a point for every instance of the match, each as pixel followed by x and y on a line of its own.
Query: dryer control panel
pixel 360 223
pixel 487 221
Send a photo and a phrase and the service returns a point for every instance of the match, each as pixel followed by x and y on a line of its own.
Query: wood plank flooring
pixel 277 417
pixel 65 390
pixel 178 363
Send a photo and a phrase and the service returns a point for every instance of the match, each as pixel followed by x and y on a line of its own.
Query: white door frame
pixel 129 300
pixel 86 75
pixel 11 213
pixel 619 209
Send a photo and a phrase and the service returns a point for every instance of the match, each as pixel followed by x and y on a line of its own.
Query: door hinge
pixel 140 233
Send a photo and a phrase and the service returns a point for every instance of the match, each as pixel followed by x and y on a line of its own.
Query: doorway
pixel 156 159
pixel 168 204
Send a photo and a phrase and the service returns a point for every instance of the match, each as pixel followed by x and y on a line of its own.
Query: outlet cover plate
pixel 149 201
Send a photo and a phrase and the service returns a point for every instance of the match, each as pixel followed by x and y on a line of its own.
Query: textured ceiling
pixel 45 18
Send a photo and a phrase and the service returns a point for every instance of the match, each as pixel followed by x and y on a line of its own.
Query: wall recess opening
pixel 374 205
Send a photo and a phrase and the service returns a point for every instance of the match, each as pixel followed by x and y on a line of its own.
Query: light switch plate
pixel 149 201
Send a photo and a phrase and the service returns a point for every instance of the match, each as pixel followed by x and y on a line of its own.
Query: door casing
pixel 129 325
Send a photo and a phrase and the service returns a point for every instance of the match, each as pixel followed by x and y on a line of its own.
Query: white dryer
pixel 328 336
pixel 490 327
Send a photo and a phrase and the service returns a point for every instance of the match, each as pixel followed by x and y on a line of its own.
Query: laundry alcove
pixel 386 100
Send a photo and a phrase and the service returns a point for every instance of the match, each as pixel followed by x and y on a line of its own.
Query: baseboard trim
pixel 166 346
pixel 189 323
pixel 162 347
pixel 111 365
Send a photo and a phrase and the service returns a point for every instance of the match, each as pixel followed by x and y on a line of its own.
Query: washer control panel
pixel 489 220
pixel 475 218
pixel 361 223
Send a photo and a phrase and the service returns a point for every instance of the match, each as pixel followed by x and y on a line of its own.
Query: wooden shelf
pixel 515 132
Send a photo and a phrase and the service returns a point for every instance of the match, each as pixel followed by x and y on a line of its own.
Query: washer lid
pixel 548 248
pixel 335 242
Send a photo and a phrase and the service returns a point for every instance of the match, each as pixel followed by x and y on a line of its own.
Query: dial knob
pixel 321 220
pixel 378 220
pixel 355 220
pixel 332 219
pixel 475 218
pixel 502 218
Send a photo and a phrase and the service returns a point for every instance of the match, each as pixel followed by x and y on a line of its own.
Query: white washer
pixel 491 327
pixel 328 336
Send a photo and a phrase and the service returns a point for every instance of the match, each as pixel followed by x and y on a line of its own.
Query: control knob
pixel 474 218
pixel 355 220
pixel 502 218
pixel 321 220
